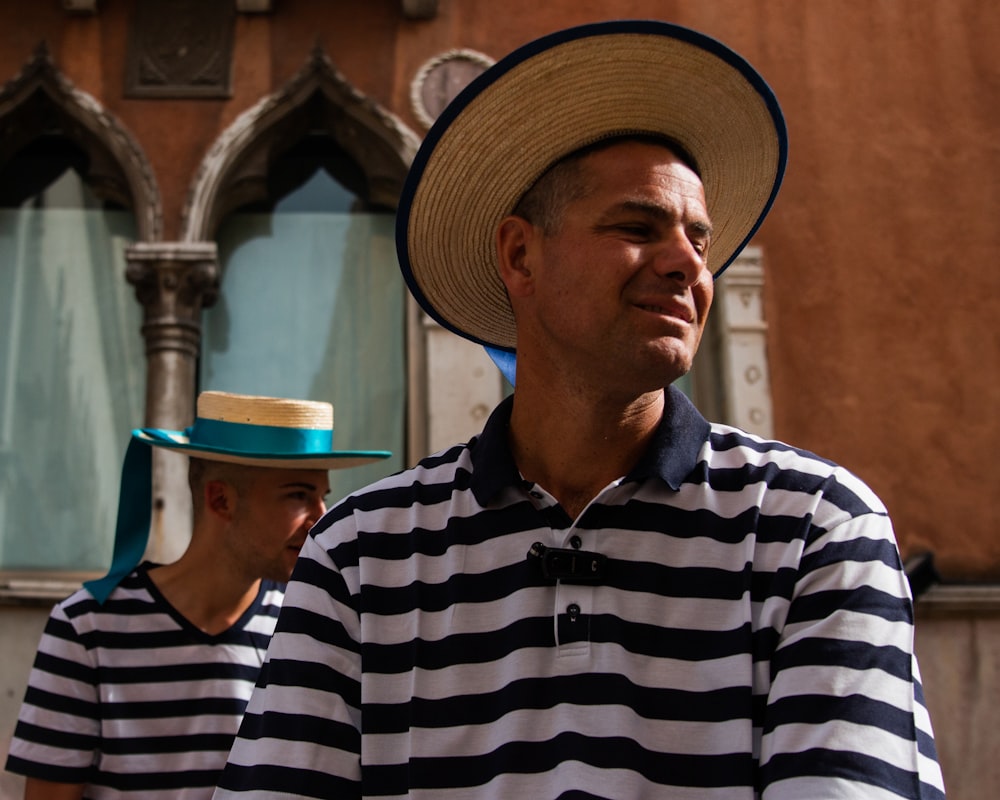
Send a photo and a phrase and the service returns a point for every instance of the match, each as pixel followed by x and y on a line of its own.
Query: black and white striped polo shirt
pixel 750 635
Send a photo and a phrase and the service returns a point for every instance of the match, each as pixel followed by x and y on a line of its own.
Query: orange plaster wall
pixel 884 350
pixel 882 300
pixel 881 292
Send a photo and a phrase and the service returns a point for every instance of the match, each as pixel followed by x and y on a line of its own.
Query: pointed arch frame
pixel 378 141
pixel 40 74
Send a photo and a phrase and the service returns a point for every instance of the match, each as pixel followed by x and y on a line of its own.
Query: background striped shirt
pixel 752 637
pixel 132 700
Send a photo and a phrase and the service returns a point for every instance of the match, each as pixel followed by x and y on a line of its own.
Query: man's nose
pixel 679 259
pixel 318 510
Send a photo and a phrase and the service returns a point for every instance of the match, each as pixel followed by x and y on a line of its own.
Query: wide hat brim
pixel 552 97
pixel 336 459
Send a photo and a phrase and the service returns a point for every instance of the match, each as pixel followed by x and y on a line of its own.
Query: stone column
pixel 173 282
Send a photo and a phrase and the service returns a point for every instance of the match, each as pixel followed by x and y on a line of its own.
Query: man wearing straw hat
pixel 141 677
pixel 603 594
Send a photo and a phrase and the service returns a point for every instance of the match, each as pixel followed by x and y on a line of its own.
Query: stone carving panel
pixel 180 48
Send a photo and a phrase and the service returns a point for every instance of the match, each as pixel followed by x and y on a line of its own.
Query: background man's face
pixel 273 516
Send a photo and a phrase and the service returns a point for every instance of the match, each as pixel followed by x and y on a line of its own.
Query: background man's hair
pixel 203 470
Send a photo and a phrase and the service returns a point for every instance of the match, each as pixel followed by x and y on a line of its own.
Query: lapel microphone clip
pixel 573 566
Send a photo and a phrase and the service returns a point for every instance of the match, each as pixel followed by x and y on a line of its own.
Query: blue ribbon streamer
pixel 135 502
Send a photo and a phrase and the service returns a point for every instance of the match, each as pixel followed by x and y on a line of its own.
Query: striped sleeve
pixel 58 730
pixel 844 711
pixel 300 735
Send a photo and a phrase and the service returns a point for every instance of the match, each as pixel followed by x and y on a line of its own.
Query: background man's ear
pixel 220 499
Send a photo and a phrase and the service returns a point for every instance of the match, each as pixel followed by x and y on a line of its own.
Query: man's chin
pixel 665 368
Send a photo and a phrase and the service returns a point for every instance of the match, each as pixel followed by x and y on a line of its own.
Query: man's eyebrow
pixel 312 487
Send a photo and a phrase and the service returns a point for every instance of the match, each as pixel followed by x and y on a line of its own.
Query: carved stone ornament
pixel 439 80
pixel 180 48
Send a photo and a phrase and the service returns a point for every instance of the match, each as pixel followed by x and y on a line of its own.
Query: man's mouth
pixel 674 311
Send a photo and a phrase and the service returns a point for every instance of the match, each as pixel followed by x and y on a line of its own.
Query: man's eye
pixel 634 230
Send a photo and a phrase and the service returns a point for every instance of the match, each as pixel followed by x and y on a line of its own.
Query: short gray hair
pixel 565 182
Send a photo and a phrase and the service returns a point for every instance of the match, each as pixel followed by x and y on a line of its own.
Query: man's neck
pixel 203 591
pixel 574 445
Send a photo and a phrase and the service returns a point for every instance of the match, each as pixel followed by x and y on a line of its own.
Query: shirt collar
pixel 672 453
pixel 493 465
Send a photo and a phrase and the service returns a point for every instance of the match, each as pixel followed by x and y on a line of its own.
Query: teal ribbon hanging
pixel 135 503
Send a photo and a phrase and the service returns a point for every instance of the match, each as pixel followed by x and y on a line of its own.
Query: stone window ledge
pixel 960 598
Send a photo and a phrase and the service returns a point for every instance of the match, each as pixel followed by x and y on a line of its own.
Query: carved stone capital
pixel 173 282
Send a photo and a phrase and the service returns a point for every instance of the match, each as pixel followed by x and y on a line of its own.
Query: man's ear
pixel 220 499
pixel 514 239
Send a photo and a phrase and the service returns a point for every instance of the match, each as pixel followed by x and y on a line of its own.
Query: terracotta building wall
pixel 881 291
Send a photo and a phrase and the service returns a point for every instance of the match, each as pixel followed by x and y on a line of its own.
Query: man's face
pixel 621 289
pixel 273 515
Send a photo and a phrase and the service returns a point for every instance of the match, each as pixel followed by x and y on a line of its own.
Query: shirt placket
pixel 573 605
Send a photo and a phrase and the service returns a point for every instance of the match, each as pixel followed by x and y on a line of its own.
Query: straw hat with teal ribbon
pixel 240 429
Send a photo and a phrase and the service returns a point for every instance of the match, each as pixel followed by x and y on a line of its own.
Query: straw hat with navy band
pixel 239 429
pixel 552 97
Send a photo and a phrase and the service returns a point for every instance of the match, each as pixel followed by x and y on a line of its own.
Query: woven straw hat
pixel 261 432
pixel 548 99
